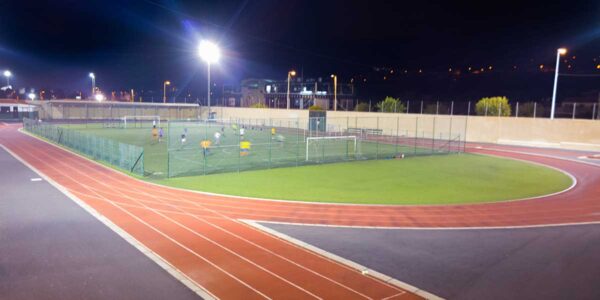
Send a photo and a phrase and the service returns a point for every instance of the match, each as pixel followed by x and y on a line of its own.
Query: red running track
pixel 201 235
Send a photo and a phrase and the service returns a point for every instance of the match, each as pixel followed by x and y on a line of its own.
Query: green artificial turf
pixel 448 179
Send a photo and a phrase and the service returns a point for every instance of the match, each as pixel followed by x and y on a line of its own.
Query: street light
pixel 334 91
pixel 165 90
pixel 210 53
pixel 93 77
pixel 290 74
pixel 559 52
pixel 7 74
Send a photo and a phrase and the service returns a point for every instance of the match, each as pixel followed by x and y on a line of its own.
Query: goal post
pixel 133 121
pixel 333 142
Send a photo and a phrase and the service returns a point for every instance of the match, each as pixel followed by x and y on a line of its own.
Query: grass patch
pixel 453 179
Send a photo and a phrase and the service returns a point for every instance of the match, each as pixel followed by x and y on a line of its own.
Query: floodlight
pixel 209 52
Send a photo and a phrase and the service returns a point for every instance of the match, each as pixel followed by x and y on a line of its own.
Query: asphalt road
pixel 50 248
pixel 534 263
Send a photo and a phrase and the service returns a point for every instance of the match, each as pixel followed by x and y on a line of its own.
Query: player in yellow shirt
pixel 205 145
pixel 245 148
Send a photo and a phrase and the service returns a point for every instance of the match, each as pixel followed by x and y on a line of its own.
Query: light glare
pixel 562 51
pixel 7 73
pixel 209 52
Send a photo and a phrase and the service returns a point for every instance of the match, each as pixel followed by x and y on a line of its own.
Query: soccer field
pixel 286 147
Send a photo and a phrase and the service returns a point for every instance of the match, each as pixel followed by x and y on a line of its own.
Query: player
pixel 280 140
pixel 273 132
pixel 184 137
pixel 245 148
pixel 217 138
pixel 154 133
pixel 242 132
pixel 160 134
pixel 205 145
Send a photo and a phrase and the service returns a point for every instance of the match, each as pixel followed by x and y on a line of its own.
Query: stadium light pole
pixel 210 53
pixel 93 77
pixel 290 75
pixel 165 90
pixel 559 52
pixel 334 91
pixel 7 74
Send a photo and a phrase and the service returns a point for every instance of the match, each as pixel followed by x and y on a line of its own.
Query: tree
pixel 493 106
pixel 391 104
pixel 363 106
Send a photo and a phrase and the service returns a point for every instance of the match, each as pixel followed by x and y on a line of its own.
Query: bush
pixel 258 105
pixel 315 108
pixel 493 106
pixel 390 104
pixel 362 106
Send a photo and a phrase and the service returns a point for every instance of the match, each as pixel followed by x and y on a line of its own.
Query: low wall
pixel 539 132
pixel 77 109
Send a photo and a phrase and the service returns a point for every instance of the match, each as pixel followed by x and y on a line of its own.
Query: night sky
pixel 138 44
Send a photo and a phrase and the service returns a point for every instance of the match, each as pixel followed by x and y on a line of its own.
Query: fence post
pixel 421 106
pixel 469 108
pixel 270 142
pixel 499 110
pixel 369 105
pixel 416 133
pixel 407 106
pixel 297 140
pixel 433 136
pixel 377 149
pixel 395 106
pixel 486 108
pixel 437 107
pixel 534 109
pixel 452 108
pixel 517 112
pixel 574 107
pixel 594 111
pixel 397 133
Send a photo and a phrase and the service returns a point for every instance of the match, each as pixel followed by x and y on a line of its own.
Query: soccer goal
pixel 332 148
pixel 140 121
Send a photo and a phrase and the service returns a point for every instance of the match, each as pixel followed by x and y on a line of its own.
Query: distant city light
pixel 7 73
pixel 31 96
pixel 209 52
pixel 92 75
pixel 541 67
pixel 99 97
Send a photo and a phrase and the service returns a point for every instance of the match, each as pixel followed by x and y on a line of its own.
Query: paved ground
pixel 50 248
pixel 534 263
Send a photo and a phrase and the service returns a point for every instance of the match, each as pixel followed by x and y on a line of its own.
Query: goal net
pixel 140 121
pixel 332 148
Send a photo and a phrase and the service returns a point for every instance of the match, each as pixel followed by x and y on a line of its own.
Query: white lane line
pixel 36 179
pixel 151 227
pixel 155 257
pixel 357 267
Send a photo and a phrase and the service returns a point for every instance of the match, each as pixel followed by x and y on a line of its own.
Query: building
pixel 303 93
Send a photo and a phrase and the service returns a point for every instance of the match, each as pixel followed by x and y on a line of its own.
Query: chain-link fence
pixel 234 145
pixel 125 156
